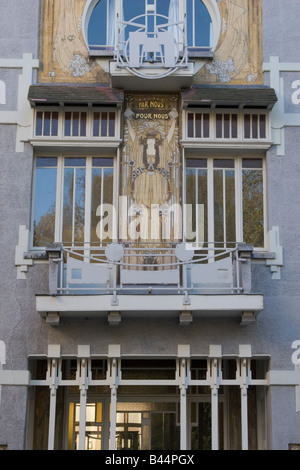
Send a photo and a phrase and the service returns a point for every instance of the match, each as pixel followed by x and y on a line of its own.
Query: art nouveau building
pixel 149 188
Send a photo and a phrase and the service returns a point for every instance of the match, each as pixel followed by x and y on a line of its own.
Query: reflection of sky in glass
pixel 97 31
pixel 97 24
pixel 45 188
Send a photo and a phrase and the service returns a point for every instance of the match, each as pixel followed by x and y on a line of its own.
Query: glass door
pixel 93 426
pixel 200 425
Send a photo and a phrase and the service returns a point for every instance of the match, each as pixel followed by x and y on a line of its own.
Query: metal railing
pixel 157 268
pixel 140 48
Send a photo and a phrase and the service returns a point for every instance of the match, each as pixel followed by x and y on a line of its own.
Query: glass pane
pixel 39 123
pixel 106 162
pixel 79 210
pixel 262 126
pixel 226 126
pixel 190 125
pixel 205 125
pixel 191 204
pixel 253 209
pixel 247 126
pixel 218 206
pixel 132 9
pixel 47 122
pixel 198 125
pixel 83 124
pixel 202 199
pixel 190 21
pixel 198 24
pixel 108 186
pixel 75 125
pixel 252 163
pixel 254 126
pixel 203 24
pixel 196 163
pixel 54 123
pixel 67 124
pixel 164 432
pixel 230 205
pixel 112 124
pixel 95 202
pixel 223 163
pixel 219 126
pixel 96 124
pixel 44 203
pixel 201 434
pixel 97 24
pixel 68 205
pixel 234 126
pixel 103 124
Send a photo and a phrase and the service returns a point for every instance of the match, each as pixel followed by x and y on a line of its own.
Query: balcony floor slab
pixel 227 305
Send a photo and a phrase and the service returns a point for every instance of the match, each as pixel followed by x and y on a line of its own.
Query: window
pixel 101 27
pixel 68 193
pixel 198 125
pixel 255 126
pixel 231 195
pixel 103 31
pixel 76 123
pixel 46 123
pixel 221 124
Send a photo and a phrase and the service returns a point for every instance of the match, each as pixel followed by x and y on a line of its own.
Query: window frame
pixel 238 168
pixel 213 125
pixel 58 229
pixel 89 136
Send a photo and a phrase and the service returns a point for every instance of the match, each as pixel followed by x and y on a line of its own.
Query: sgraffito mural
pixel 64 56
pixel 151 162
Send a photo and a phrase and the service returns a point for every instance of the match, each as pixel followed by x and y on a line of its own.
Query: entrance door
pixel 140 426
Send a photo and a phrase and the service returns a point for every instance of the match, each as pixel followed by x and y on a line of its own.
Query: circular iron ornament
pixel 180 59
pixel 183 254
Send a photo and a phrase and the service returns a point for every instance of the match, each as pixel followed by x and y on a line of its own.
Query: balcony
pixel 135 279
pixel 151 47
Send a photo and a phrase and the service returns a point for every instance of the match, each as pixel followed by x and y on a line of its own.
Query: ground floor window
pixel 156 413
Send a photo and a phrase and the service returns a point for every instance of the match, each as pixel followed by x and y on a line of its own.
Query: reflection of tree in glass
pixel 97 182
pixel 253 216
pixel 74 200
pixel 43 232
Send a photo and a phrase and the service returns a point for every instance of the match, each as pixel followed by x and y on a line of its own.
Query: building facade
pixel 149 206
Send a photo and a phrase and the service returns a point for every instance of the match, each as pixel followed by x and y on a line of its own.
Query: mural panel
pixel 150 164
pixel 64 55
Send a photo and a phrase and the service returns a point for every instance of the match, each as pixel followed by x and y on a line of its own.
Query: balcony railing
pixel 152 51
pixel 137 268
